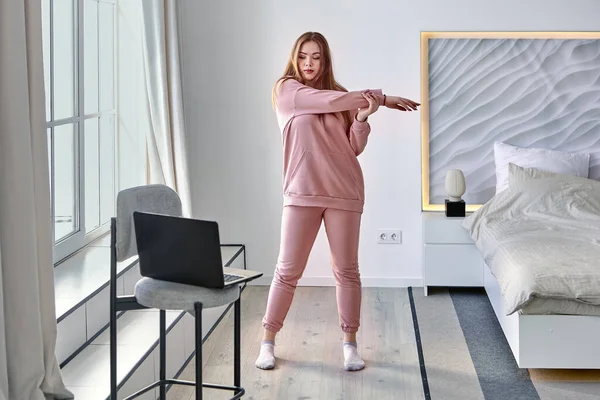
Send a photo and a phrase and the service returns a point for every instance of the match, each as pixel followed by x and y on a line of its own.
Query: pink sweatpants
pixel 299 229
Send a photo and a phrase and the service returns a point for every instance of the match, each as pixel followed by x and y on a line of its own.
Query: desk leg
pixel 237 345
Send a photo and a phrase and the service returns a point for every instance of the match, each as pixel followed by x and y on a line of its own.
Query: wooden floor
pixel 309 350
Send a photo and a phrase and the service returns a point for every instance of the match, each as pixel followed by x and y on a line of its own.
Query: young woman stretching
pixel 324 129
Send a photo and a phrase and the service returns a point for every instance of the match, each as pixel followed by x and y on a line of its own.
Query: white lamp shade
pixel 455 184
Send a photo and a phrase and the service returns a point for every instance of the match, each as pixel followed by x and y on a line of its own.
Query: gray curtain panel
pixel 28 366
pixel 167 157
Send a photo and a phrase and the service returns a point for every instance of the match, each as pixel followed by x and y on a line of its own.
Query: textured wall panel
pixel 526 92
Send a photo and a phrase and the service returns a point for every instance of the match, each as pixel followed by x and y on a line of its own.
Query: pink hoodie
pixel 320 167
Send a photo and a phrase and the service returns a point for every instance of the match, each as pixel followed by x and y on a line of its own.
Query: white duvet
pixel 541 237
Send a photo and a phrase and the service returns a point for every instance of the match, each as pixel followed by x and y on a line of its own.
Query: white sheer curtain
pixel 167 157
pixel 28 366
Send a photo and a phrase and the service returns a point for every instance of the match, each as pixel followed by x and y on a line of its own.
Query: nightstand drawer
pixel 437 228
pixel 452 265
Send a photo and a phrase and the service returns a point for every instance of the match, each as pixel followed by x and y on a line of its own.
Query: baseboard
pixel 366 281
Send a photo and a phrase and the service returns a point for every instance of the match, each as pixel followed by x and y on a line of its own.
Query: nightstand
pixel 450 257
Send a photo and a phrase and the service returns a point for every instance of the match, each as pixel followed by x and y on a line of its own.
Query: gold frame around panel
pixel 425 36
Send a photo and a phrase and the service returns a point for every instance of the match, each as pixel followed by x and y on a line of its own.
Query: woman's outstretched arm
pixel 299 99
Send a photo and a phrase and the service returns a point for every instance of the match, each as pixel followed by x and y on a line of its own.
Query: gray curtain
pixel 167 157
pixel 28 366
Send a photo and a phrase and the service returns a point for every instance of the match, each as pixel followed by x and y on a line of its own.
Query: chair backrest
pixel 158 199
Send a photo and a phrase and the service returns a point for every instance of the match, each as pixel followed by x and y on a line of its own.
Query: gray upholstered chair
pixel 162 295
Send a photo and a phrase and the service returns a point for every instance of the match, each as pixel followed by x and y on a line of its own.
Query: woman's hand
pixel 400 103
pixel 364 113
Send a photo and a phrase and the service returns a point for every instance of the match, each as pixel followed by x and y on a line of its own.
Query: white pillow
pixel 559 162
pixel 520 178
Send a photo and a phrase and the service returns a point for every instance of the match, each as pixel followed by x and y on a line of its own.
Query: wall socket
pixel 389 236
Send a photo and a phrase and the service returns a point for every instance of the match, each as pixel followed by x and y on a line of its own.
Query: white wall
pixel 233 51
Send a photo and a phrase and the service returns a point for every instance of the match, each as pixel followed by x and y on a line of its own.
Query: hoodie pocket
pixel 323 174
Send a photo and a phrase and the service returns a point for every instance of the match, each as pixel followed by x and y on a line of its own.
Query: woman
pixel 324 129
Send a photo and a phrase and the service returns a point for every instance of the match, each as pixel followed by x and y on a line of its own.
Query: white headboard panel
pixel 530 92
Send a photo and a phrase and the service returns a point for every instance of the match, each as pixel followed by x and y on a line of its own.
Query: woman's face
pixel 309 61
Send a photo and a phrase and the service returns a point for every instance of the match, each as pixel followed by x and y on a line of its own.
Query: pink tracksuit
pixel 322 180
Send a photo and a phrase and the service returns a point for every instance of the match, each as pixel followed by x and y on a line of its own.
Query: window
pixel 79 65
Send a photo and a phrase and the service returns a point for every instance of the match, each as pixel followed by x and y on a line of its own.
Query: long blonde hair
pixel 324 81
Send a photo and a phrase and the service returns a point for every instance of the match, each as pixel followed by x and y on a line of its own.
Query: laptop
pixel 184 250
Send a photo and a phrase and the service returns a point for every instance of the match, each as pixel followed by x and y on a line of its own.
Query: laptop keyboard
pixel 231 277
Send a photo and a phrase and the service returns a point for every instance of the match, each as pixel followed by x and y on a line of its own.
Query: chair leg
pixel 163 354
pixel 237 345
pixel 198 313
pixel 113 354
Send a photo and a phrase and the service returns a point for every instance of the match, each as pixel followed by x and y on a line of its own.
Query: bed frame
pixel 547 341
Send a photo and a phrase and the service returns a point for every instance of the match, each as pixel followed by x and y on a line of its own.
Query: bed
pixel 540 241
pixel 491 99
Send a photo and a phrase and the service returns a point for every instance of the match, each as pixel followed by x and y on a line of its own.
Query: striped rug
pixel 464 354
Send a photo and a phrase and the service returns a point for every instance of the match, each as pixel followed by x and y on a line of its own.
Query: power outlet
pixel 389 236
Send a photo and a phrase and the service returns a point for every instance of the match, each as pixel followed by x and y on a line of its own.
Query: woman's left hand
pixel 364 113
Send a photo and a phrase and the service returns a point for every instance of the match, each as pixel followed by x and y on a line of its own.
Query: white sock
pixel 266 357
pixel 352 361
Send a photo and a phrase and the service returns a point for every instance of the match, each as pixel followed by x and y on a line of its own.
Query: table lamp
pixel 455 188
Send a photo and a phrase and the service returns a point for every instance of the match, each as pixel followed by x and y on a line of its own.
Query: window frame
pixel 78 239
